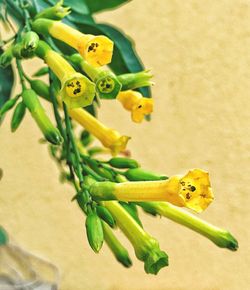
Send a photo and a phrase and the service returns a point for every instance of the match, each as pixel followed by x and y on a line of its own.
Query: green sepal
pixel 139 174
pixel 132 210
pixel 105 215
pixel 30 42
pixel 18 116
pixel 123 162
pixel 94 231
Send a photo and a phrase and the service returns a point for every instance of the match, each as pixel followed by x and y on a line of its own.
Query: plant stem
pixel 21 74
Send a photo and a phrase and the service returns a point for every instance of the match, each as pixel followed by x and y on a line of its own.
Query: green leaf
pixel 6 83
pixel 100 5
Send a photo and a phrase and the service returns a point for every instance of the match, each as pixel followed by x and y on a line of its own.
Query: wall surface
pixel 199 52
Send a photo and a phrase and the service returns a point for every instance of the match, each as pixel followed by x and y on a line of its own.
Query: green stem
pixel 21 74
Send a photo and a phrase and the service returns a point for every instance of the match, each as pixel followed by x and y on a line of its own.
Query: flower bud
pixel 135 80
pixel 105 215
pixel 41 88
pixel 139 174
pixel 18 116
pixel 116 247
pixel 94 231
pixel 32 102
pixel 41 72
pixel 222 238
pixel 8 105
pixel 122 162
pixel 6 57
pixel 56 12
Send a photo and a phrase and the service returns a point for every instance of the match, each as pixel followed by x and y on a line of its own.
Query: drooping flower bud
pixel 222 238
pixel 116 247
pixel 138 174
pixel 29 44
pixel 18 116
pixel 123 162
pixel 105 215
pixel 38 113
pixel 94 231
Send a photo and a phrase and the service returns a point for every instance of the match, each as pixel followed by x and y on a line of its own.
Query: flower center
pixel 106 85
pixel 75 88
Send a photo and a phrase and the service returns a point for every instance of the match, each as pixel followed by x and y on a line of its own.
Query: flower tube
pixel 191 190
pixel 96 50
pixel 146 247
pixel 222 238
pixel 110 138
pixel 76 89
pixel 135 103
pixel 107 84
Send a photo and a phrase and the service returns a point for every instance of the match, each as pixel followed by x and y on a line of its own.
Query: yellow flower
pixel 192 190
pixel 96 50
pixel 110 138
pixel 138 105
pixel 76 89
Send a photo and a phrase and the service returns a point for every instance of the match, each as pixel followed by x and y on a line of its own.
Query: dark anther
pixel 192 188
pixel 108 86
pixel 188 196
pixel 140 106
pixel 76 91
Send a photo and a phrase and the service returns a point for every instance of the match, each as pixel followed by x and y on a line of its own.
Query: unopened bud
pixel 18 116
pixel 94 231
pixel 123 162
pixel 139 174
pixel 105 215
pixel 6 57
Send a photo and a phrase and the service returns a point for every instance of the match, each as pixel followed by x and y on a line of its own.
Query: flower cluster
pixel 107 191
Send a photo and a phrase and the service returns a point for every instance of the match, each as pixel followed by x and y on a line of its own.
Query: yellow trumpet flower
pixel 192 190
pixel 96 50
pixel 110 138
pixel 135 103
pixel 76 89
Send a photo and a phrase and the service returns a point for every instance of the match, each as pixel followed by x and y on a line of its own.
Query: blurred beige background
pixel 199 52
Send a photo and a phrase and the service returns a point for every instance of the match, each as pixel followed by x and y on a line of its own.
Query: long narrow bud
pixel 220 237
pixel 32 102
pixel 116 247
